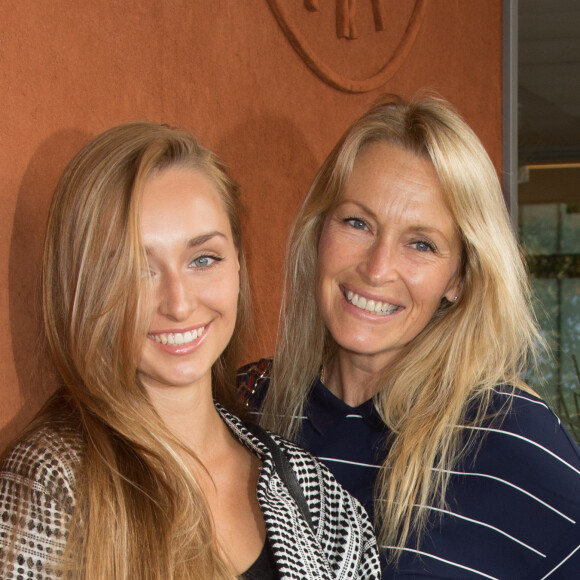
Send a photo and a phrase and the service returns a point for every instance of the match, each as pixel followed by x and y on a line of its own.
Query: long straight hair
pixel 139 511
pixel 470 346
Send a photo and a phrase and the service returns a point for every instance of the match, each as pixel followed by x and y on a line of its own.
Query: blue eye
pixel 423 246
pixel 204 261
pixel 356 223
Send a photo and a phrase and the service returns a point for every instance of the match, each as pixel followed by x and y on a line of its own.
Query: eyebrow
pixel 200 240
pixel 346 200
pixel 197 241
pixel 427 229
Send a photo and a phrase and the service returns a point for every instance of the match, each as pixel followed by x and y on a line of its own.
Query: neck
pixel 352 378
pixel 191 416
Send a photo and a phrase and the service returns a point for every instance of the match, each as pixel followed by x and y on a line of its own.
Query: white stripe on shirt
pixel 541 403
pixel 562 562
pixel 489 526
pixel 348 462
pixel 442 560
pixel 505 482
pixel 502 432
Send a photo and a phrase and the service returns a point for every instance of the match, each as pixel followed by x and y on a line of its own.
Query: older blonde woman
pixel 137 468
pixel 405 333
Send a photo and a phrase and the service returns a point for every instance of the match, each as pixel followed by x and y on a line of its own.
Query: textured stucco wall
pixel 225 70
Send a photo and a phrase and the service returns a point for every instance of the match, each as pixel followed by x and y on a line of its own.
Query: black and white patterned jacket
pixel 341 544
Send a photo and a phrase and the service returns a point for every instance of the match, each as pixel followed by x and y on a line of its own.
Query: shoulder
pixel 37 499
pixel 316 481
pixel 252 382
pixel 513 501
pixel 263 442
pixel 523 438
pixel 45 461
pixel 326 497
pixel 523 481
pixel 524 423
pixel 310 471
pixel 313 477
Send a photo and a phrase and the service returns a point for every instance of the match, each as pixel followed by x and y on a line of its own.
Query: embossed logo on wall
pixel 353 46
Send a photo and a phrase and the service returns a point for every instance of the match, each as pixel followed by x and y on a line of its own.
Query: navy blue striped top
pixel 513 504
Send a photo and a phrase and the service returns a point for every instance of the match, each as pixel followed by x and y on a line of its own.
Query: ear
pixel 453 291
pixel 451 297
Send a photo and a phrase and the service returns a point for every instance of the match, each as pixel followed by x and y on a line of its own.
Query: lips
pixel 370 305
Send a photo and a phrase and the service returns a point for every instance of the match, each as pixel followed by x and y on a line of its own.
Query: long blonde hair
pixel 482 340
pixel 139 511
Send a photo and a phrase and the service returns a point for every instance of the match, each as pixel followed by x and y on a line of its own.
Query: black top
pixel 264 568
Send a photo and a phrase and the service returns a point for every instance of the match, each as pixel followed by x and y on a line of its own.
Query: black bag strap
pixel 284 470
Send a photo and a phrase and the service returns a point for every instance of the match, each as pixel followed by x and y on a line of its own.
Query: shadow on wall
pixel 24 274
pixel 272 160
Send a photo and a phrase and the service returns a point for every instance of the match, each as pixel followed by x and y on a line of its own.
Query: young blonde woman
pixel 404 337
pixel 137 468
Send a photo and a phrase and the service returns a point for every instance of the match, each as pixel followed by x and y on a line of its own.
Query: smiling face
pixel 389 252
pixel 194 271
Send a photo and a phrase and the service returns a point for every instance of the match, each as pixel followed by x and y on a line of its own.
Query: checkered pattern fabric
pixel 36 503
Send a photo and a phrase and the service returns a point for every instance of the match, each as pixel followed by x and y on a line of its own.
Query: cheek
pixel 148 308
pixel 427 286
pixel 335 254
pixel 423 282
pixel 227 294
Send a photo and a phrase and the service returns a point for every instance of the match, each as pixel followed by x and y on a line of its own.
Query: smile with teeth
pixel 178 338
pixel 376 307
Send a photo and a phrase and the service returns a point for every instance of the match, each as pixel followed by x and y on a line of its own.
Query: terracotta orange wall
pixel 226 70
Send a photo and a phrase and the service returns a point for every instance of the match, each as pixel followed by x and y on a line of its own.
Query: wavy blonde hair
pixel 140 512
pixel 469 347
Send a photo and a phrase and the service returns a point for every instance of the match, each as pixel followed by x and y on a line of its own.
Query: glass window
pixel 549 188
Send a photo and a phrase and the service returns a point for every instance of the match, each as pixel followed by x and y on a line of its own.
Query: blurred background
pixel 549 188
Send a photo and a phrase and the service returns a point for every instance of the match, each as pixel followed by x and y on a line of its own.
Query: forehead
pixel 387 178
pixel 182 198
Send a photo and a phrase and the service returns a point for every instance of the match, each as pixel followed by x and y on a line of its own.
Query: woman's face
pixel 195 279
pixel 389 252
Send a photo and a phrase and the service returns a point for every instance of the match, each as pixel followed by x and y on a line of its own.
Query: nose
pixel 175 299
pixel 379 263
